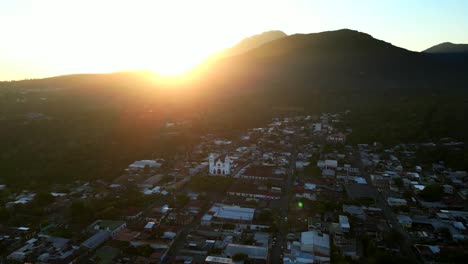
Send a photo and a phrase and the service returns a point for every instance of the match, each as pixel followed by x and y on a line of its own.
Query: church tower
pixel 212 163
pixel 218 167
pixel 227 165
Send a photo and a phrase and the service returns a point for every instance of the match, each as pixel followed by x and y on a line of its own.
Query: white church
pixel 220 168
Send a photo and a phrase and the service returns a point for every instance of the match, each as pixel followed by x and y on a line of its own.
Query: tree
pixel 158 233
pixel 265 216
pixel 432 193
pixel 238 257
pixel 398 182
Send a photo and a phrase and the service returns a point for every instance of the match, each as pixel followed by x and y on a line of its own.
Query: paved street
pixel 281 240
pixel 388 213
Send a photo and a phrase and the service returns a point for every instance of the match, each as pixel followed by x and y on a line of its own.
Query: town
pixel 293 191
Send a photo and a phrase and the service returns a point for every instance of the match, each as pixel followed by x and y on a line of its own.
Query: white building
pixel 327 164
pixel 141 164
pixel 219 167
pixel 396 201
pixel 344 223
pixel 405 220
pixel 317 244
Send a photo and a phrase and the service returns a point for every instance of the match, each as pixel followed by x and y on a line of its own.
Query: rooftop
pixel 233 212
pixel 313 237
pixel 109 225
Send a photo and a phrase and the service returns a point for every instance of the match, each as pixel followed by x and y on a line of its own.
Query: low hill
pixel 448 48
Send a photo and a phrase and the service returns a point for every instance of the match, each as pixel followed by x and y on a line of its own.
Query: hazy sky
pixel 51 37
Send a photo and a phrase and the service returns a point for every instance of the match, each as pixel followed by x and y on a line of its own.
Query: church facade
pixel 218 167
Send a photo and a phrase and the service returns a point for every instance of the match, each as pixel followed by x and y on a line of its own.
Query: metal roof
pixel 96 240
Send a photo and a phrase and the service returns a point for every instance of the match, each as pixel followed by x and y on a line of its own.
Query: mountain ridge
pixel 97 124
pixel 448 48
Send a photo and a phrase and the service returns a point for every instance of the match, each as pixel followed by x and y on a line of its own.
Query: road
pixel 179 241
pixel 281 235
pixel 381 201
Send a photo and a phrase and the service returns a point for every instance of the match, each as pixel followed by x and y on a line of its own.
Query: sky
pixel 41 38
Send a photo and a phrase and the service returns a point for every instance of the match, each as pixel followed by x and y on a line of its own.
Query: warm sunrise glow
pixel 53 37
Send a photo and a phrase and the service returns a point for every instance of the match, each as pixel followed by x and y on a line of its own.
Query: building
pixel 317 244
pixel 218 260
pixel 327 164
pixel 405 221
pixel 44 250
pixel 396 201
pixel 253 252
pixel 344 223
pixel 141 164
pixel 107 225
pixel 337 138
pixel 96 240
pixel 229 213
pixel 219 167
pixel 448 189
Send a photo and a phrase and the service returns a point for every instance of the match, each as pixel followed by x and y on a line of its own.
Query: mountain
pixel 395 94
pixel 448 48
pixel 296 69
pixel 249 43
pixel 92 126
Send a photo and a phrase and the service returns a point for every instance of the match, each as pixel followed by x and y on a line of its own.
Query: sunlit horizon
pixel 51 37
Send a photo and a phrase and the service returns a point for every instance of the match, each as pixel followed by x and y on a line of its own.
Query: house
pixel 253 189
pixel 344 223
pixel 107 225
pixel 396 201
pixel 405 221
pixel 337 138
pixel 170 232
pixel 328 164
pixel 355 211
pixel 141 164
pixel 149 226
pixel 328 173
pixel 448 189
pixel 44 250
pixel 218 260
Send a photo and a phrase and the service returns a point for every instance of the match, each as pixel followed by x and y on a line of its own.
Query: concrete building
pixel 344 223
pixel 396 201
pixel 317 244
pixel 253 252
pixel 219 167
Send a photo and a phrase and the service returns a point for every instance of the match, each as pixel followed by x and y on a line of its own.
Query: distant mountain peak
pixel 448 48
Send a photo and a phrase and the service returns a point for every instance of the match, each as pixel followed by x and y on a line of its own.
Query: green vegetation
pixel 210 184
pixel 432 193
pixel 240 257
pixel 452 255
pixel 180 201
pixel 85 212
